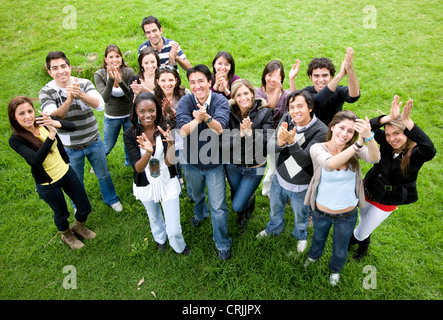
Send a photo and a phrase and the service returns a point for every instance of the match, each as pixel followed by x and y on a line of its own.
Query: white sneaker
pixel 262 234
pixel 308 262
pixel 334 278
pixel 301 245
pixel 117 206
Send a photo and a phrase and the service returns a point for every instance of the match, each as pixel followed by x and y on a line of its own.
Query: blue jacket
pixel 202 148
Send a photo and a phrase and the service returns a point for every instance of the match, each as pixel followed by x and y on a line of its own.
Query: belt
pixel 337 215
pixel 85 145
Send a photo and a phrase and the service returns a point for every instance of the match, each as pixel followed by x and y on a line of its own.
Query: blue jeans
pixel 343 227
pixel 179 155
pixel 111 131
pixel 95 153
pixel 53 195
pixel 214 180
pixel 243 182
pixel 279 197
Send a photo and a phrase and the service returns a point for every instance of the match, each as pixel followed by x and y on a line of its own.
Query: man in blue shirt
pixel 169 51
pixel 201 118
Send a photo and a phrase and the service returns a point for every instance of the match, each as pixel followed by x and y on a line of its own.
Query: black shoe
pixel 224 255
pixel 363 247
pixel 161 247
pixel 186 251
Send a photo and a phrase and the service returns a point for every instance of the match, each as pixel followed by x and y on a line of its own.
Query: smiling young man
pixel 73 99
pixel 201 118
pixel 329 96
pixel 169 51
pixel 297 131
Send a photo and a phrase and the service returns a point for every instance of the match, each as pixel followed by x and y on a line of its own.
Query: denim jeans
pixel 343 228
pixel 53 195
pixel 214 180
pixel 111 131
pixel 95 153
pixel 279 196
pixel 169 226
pixel 179 155
pixel 243 182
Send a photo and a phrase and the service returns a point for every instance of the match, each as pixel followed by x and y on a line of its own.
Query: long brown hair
pixel 405 149
pixel 144 52
pixel 17 129
pixel 110 48
pixel 339 117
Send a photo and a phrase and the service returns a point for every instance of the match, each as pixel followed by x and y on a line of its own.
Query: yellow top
pixel 54 164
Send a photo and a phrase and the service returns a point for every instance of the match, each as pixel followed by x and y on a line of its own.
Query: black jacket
pixel 384 182
pixel 248 151
pixel 35 158
pixel 130 140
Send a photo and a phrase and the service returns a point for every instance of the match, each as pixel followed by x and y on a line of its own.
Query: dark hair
pixel 17 129
pixel 144 52
pixel 149 20
pixel 134 118
pixel 55 55
pixel 199 68
pixel 110 48
pixel 319 63
pixel 230 60
pixel 179 90
pixel 271 67
pixel 305 94
pixel 339 117
pixel 406 148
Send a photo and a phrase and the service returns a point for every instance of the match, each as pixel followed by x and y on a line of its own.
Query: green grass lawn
pixel 401 55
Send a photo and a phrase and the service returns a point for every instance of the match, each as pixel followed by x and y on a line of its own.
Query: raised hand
pixel 200 114
pixel 166 134
pixel 395 108
pixel 144 143
pixel 349 59
pixel 246 127
pixel 294 70
pixel 363 127
pixel 284 135
pixel 173 53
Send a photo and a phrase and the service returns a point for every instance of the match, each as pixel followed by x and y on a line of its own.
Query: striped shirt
pixel 52 97
pixel 164 53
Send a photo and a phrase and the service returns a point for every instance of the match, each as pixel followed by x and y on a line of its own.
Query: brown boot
pixel 71 240
pixel 80 229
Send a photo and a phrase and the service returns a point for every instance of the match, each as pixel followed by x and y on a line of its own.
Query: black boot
pixel 251 207
pixel 352 241
pixel 363 247
pixel 241 220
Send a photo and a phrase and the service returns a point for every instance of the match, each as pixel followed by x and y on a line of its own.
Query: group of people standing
pixel 222 129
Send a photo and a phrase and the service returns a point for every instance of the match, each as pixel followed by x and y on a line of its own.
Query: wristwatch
pixel 209 119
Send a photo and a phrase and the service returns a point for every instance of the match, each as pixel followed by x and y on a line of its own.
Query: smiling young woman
pixel 250 124
pixel 404 148
pixel 336 188
pixel 152 160
pixel 36 140
pixel 112 82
